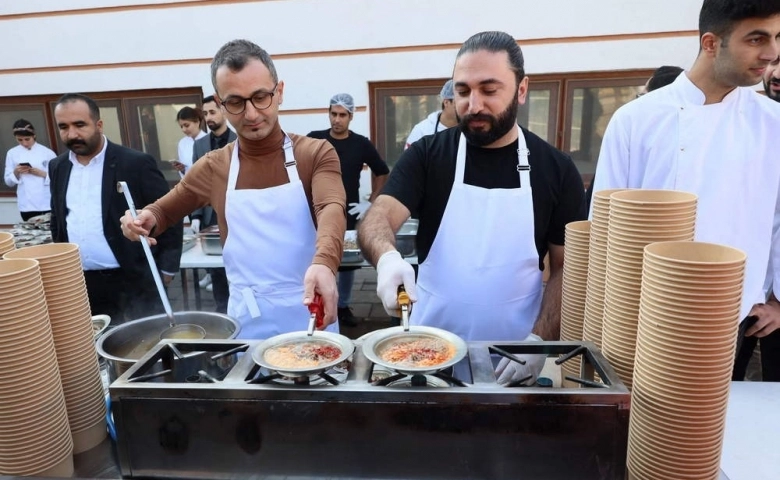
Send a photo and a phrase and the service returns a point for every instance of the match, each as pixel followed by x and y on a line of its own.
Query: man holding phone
pixel 27 169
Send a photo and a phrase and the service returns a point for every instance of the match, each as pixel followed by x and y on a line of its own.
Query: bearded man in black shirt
pixel 492 200
pixel 354 152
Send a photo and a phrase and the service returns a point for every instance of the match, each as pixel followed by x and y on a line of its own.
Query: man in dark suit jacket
pixel 86 208
pixel 219 136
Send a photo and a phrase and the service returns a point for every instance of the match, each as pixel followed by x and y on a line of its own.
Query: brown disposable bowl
pixel 48 252
pixel 653 198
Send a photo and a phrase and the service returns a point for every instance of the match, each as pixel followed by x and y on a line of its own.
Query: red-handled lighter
pixel 317 310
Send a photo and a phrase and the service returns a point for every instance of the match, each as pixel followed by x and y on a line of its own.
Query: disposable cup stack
pixel 597 267
pixel 71 325
pixel 6 242
pixel 637 218
pixel 688 321
pixel 35 438
pixel 575 280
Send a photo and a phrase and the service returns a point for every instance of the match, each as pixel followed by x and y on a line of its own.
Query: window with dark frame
pixel 570 111
pixel 142 119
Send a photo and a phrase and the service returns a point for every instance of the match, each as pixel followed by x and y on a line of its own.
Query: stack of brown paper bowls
pixel 35 437
pixel 636 218
pixel 597 267
pixel 6 242
pixel 688 321
pixel 575 280
pixel 71 325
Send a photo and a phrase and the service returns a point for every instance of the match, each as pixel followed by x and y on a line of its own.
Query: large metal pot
pixel 123 345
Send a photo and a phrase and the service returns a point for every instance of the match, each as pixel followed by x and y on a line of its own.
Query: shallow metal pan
pixel 340 341
pixel 380 339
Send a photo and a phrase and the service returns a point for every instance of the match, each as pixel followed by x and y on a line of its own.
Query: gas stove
pixel 217 414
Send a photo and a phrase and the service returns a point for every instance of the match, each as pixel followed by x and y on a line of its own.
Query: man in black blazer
pixel 86 207
pixel 219 136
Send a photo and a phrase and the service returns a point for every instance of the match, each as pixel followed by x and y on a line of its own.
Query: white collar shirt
pixel 725 153
pixel 32 191
pixel 85 212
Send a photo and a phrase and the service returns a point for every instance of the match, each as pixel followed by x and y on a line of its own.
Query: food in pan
pixel 418 352
pixel 310 354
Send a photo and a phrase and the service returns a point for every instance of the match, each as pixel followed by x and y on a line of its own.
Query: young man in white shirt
pixel 710 134
pixel 27 169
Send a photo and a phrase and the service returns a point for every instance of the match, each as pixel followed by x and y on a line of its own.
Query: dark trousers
pixel 28 215
pixel 770 357
pixel 121 296
pixel 221 288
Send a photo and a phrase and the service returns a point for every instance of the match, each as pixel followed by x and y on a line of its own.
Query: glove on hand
pixel 359 209
pixel 392 270
pixel 509 371
pixel 195 226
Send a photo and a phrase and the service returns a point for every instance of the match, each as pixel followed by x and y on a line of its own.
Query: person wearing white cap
pixel 354 152
pixel 26 168
pixel 438 120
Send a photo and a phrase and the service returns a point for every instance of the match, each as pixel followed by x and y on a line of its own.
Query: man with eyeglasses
pixel 279 200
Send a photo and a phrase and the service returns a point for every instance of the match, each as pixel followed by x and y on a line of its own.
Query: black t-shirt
pixel 423 177
pixel 353 152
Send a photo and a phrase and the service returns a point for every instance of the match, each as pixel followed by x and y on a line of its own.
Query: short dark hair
pixel 720 16
pixel 209 99
pixel 236 54
pixel 23 128
pixel 497 42
pixel 663 76
pixel 190 114
pixel 94 110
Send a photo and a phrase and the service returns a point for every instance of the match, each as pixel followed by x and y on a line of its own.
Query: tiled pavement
pixel 365 304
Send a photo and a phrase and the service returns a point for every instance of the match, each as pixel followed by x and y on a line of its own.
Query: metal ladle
pixel 182 331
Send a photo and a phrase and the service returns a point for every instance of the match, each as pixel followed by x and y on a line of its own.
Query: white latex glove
pixel 195 225
pixel 359 209
pixel 509 371
pixel 391 271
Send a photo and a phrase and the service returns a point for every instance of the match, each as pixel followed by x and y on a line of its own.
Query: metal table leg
pixel 196 286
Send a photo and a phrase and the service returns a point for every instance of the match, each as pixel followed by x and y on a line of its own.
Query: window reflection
pixel 402 113
pixel 591 110
pixel 160 134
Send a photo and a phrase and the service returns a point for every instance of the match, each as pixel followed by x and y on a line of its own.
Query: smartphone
pixel 745 325
pixel 25 164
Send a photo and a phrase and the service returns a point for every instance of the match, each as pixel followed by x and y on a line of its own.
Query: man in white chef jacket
pixel 709 134
pixel 492 199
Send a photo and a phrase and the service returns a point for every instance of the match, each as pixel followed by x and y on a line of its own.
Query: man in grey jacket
pixel 219 136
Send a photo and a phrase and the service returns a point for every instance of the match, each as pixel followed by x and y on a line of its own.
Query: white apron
pixel 481 279
pixel 270 244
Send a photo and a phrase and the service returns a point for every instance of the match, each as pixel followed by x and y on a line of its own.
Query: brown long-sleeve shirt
pixel 262 166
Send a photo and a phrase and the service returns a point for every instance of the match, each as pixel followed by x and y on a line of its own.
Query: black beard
pixel 769 93
pixel 499 126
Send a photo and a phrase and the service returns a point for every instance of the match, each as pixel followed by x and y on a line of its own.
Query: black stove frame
pixel 232 428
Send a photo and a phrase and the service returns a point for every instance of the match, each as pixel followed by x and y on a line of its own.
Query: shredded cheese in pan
pixel 418 352
pixel 301 355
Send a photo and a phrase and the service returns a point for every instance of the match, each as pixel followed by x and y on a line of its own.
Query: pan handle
pixel 404 305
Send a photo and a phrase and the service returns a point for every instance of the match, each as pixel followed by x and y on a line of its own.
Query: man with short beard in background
pixel 768 336
pixel 219 136
pixel 492 199
pixel 85 206
pixel 772 80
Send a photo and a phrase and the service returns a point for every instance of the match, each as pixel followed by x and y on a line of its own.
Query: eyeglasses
pixel 260 100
